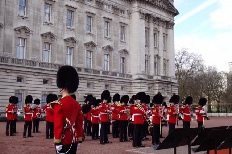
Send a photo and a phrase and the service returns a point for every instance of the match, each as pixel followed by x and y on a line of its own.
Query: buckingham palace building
pixel 125 46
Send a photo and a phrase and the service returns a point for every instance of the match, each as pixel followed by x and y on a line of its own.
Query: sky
pixel 204 27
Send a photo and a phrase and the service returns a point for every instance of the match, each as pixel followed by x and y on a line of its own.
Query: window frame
pixel 89 28
pixel 89 59
pixel 47 50
pixel 47 15
pixel 107 62
pixel 107 28
pixel 20 46
pixel 24 8
pixel 69 55
pixel 70 20
pixel 122 65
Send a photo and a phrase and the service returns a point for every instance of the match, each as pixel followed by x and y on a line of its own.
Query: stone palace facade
pixel 125 46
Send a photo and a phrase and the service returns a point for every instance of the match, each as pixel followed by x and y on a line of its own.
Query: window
pixel 164 42
pixel 90 85
pixel 106 62
pixel 107 6
pixel 48 12
pixel 123 88
pixel 21 48
pixel 69 55
pixel 45 81
pixel 89 1
pixel 155 39
pixel 46 52
pixel 146 36
pixel 20 98
pixel 107 87
pixel 19 79
pixel 69 18
pixel 107 29
pixel 22 7
pixel 122 33
pixel 43 100
pixel 89 23
pixel 89 59
pixel 156 66
pixel 146 63
pixel 165 68
pixel 122 65
pixel 122 12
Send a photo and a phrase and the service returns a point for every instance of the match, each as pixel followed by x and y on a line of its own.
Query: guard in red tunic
pixel 28 116
pixel 157 115
pixel 104 111
pixel 94 118
pixel 172 112
pixel 10 115
pixel 145 104
pixel 123 112
pixel 200 112
pixel 36 115
pixel 138 119
pixel 49 115
pixel 131 125
pixel 68 117
pixel 15 116
pixel 115 115
pixel 87 116
pixel 187 112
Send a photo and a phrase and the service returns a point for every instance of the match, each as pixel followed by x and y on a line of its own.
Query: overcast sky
pixel 205 27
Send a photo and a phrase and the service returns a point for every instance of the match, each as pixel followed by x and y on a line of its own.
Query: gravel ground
pixel 39 145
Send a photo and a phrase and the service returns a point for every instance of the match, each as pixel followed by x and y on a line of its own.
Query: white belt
pixel 137 114
pixel 95 116
pixel 28 113
pixel 103 113
pixel 186 114
pixel 153 115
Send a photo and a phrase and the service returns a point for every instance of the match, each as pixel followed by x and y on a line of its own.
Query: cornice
pixel 21 29
pixel 48 35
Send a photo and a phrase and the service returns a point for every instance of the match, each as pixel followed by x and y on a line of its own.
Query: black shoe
pixel 102 142
pixel 142 146
pixel 108 142
pixel 30 136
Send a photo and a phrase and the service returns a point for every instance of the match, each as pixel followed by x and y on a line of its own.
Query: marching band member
pixel 123 112
pixel 138 119
pixel 68 118
pixel 28 116
pixel 172 113
pixel 157 114
pixel 36 116
pixel 11 111
pixel 200 113
pixel 87 115
pixel 115 116
pixel 187 112
pixel 131 125
pixel 104 110
pixel 94 118
pixel 145 103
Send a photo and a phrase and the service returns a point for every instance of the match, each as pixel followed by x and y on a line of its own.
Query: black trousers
pixel 49 130
pixel 186 124
pixel 115 128
pixel 36 125
pixel 68 149
pixel 145 130
pixel 130 129
pixel 27 126
pixel 156 134
pixel 200 124
pixel 137 136
pixel 14 125
pixel 9 125
pixel 95 130
pixel 103 132
pixel 123 130
pixel 88 127
pixel 108 127
pixel 171 128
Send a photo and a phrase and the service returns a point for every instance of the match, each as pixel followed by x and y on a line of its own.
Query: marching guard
pixel 94 118
pixel 68 118
pixel 11 115
pixel 115 116
pixel 28 116
pixel 36 116
pixel 131 125
pixel 187 112
pixel 200 112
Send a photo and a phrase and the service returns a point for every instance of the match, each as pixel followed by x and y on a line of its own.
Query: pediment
pixel 24 29
pixel 90 44
pixel 124 52
pixel 108 48
pixel 70 39
pixel 48 35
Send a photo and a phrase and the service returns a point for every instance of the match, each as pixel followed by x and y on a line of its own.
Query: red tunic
pixel 104 112
pixel 10 112
pixel 137 115
pixel 67 115
pixel 37 113
pixel 171 114
pixel 123 112
pixel 115 115
pixel 187 114
pixel 94 115
pixel 15 112
pixel 199 113
pixel 156 114
pixel 28 113
pixel 49 113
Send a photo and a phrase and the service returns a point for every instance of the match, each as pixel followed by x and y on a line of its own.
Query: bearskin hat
pixel 86 108
pixel 37 101
pixel 116 97
pixel 13 99
pixel 67 77
pixel 92 101
pixel 105 95
pixel 51 97
pixel 147 99
pixel 174 99
pixel 98 101
pixel 28 99
pixel 125 99
pixel 140 96
pixel 132 99
pixel 164 104
pixel 188 100
pixel 87 98
pixel 158 98
pixel 74 96
pixel 202 101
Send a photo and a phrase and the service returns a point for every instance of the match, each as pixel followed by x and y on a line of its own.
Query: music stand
pixel 179 137
pixel 213 140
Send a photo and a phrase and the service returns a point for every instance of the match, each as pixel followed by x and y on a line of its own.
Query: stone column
pixel 161 30
pixel 151 47
pixel 170 49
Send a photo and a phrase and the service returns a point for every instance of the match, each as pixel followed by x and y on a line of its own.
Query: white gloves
pixel 78 146
pixel 58 148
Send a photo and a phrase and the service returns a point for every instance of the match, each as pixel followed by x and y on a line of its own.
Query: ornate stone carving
pixel 70 39
pixel 108 48
pixel 99 3
pixel 124 52
pixel 49 35
pixel 170 24
pixel 23 29
pixel 90 44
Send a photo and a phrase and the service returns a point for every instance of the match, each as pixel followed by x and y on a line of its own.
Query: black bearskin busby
pixel 174 99
pixel 140 96
pixel 28 99
pixel 116 97
pixel 92 101
pixel 132 99
pixel 158 99
pixel 188 100
pixel 13 99
pixel 51 97
pixel 202 101
pixel 125 99
pixel 98 101
pixel 88 98
pixel 74 96
pixel 37 101
pixel 147 99
pixel 86 108
pixel 67 77
pixel 105 95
